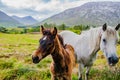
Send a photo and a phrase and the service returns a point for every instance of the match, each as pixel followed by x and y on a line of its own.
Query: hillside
pixel 91 13
pixel 8 21
pixel 27 20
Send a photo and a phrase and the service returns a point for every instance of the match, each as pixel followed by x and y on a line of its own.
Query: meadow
pixel 16 62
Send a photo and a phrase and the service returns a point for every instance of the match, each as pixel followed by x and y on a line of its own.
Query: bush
pixel 62 27
pixel 15 31
pixel 76 31
pixel 3 30
pixel 81 27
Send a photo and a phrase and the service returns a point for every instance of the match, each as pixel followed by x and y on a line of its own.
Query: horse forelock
pixel 110 31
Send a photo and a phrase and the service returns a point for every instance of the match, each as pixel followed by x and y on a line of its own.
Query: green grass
pixel 16 62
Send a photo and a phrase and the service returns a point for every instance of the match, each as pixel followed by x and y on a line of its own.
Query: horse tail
pixel 72 53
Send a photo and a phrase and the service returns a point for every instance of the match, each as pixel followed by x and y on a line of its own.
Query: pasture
pixel 16 62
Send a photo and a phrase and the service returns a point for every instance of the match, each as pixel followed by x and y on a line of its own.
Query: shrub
pixel 3 30
pixel 76 31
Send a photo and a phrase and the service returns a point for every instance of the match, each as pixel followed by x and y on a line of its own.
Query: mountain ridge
pixel 91 13
pixel 7 21
pixel 27 20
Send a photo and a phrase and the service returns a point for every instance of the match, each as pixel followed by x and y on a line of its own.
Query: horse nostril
pixel 116 60
pixel 113 60
pixel 110 59
pixel 35 59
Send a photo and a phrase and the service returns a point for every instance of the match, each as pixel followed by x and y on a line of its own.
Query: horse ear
pixel 104 27
pixel 54 31
pixel 117 27
pixel 42 28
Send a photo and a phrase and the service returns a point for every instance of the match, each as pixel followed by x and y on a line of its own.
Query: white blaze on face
pixel 45 38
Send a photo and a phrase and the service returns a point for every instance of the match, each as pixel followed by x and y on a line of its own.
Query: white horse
pixel 88 43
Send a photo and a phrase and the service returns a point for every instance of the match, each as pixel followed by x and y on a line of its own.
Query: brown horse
pixel 62 55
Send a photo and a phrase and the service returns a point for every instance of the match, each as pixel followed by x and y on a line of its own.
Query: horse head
pixel 109 38
pixel 46 44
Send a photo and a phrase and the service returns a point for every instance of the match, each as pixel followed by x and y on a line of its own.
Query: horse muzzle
pixel 113 60
pixel 35 59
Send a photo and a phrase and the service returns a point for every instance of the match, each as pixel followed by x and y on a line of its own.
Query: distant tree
pixel 87 27
pixel 25 30
pixel 93 26
pixel 81 27
pixel 46 25
pixel 78 27
pixel 3 30
pixel 62 27
pixel 51 25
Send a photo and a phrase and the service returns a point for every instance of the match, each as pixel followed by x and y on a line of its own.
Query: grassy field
pixel 16 62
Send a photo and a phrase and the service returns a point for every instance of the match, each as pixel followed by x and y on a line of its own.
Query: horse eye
pixel 49 43
pixel 44 33
pixel 104 40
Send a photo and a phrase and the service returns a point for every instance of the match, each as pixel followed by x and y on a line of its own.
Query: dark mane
pixel 61 40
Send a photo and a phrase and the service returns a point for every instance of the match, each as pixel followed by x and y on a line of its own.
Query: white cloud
pixel 52 5
pixel 39 5
pixel 19 4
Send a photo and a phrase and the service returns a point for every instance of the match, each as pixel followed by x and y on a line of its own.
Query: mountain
pixel 28 20
pixel 91 13
pixel 7 21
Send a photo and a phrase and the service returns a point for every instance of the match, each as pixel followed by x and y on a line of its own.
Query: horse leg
pixel 52 77
pixel 87 72
pixel 80 68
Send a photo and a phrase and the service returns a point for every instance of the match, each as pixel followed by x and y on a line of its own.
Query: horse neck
pixel 95 40
pixel 57 55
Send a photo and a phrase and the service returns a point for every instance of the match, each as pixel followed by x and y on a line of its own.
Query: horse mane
pixel 61 40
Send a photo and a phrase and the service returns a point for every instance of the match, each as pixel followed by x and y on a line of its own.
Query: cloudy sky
pixel 39 9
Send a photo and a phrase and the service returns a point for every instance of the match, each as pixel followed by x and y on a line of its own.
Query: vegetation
pixel 16 62
pixel 3 30
pixel 21 30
